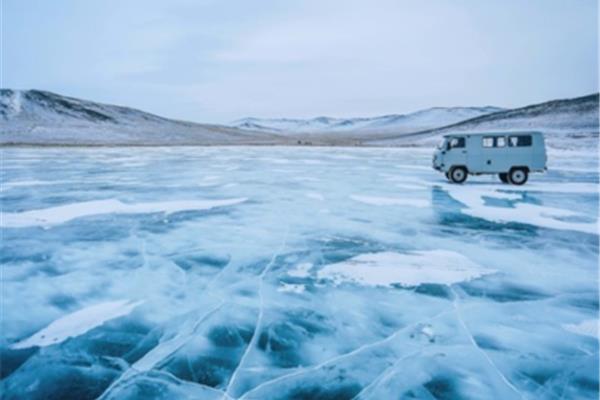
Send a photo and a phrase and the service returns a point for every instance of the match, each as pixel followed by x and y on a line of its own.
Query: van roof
pixel 492 133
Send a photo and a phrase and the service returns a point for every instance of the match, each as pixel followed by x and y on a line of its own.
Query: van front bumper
pixel 435 163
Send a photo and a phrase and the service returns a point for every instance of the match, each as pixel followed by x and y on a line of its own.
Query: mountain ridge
pixel 37 117
pixel 426 118
pixel 43 117
pixel 574 115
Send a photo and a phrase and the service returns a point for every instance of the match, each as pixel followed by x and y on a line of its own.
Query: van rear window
pixel 519 141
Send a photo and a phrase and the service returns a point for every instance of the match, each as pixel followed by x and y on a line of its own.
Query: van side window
pixel 494 141
pixel 458 142
pixel 519 141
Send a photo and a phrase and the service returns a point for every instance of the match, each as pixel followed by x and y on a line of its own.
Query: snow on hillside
pixel 44 118
pixel 40 117
pixel 578 114
pixel 423 119
pixel 566 123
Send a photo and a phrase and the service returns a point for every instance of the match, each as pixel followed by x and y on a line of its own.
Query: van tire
pixel 458 174
pixel 447 174
pixel 518 176
pixel 503 177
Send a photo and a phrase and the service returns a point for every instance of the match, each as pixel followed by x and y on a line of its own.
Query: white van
pixel 511 155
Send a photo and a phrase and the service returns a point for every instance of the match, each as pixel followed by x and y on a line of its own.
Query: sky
pixel 217 61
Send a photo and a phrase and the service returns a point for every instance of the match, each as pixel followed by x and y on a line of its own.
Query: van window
pixel 458 142
pixel 494 141
pixel 519 141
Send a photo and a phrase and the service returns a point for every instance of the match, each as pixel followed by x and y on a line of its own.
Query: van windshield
pixel 442 144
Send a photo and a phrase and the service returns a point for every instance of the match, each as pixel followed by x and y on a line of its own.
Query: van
pixel 511 155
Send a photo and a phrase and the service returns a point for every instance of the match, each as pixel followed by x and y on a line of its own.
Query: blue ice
pixel 294 273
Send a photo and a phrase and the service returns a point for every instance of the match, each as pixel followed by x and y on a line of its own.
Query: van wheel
pixel 518 176
pixel 503 177
pixel 458 174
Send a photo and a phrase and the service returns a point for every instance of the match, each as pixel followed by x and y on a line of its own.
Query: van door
pixel 456 153
pixel 539 153
pixel 492 154
pixel 520 150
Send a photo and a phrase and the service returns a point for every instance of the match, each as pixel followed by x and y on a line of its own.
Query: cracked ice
pixel 288 273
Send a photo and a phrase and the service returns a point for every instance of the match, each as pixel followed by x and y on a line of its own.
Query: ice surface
pixel 258 273
pixel 588 327
pixel 315 196
pixel 291 288
pixel 390 201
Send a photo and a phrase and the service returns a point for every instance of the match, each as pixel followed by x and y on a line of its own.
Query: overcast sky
pixel 216 61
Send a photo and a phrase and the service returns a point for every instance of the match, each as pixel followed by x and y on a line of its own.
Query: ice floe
pixel 404 269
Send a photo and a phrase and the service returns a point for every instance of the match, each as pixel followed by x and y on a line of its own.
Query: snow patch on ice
pixel 526 213
pixel 68 212
pixel 77 323
pixel 589 327
pixel 301 270
pixel 410 269
pixel 390 201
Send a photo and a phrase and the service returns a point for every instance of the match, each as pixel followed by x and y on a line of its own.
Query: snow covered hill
pixel 561 120
pixel 40 117
pixel 579 114
pixel 420 120
pixel 45 118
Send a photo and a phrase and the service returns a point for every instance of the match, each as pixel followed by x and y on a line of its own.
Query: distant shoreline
pixel 69 145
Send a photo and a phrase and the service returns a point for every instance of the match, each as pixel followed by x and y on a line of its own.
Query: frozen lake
pixel 294 273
